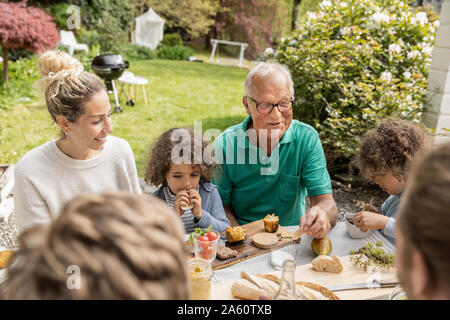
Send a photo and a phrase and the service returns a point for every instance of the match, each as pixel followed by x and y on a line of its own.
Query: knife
pixel 365 285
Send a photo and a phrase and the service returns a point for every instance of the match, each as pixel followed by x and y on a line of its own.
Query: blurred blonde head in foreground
pixel 124 246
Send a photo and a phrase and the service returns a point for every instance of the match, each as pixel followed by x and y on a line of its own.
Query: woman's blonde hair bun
pixel 65 84
pixel 56 65
pixel 54 61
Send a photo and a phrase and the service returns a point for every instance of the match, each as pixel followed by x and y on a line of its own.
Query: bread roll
pixel 326 264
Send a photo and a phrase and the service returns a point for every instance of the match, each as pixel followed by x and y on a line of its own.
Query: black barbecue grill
pixel 110 67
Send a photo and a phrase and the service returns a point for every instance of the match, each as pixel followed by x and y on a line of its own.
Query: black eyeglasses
pixel 266 108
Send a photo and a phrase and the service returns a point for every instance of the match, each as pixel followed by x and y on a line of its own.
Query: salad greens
pixel 198 232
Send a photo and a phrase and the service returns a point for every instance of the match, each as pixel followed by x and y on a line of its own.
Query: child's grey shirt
pixel 389 209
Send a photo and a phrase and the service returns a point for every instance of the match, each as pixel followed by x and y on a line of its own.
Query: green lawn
pixel 179 93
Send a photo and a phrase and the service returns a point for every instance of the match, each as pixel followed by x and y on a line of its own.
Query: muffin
pixel 271 222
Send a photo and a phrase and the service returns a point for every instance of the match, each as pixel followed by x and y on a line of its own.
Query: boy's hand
pixel 196 201
pixel 366 220
pixel 182 201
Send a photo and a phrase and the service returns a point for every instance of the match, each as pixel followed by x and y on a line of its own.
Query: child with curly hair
pixel 178 165
pixel 385 157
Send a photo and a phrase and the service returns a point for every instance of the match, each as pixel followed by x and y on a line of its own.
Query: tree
pixel 195 17
pixel 258 22
pixel 110 20
pixel 25 27
pixel 295 11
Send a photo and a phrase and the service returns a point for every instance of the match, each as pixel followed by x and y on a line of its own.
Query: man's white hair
pixel 266 68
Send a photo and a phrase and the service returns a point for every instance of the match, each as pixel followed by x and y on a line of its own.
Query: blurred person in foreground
pixel 422 229
pixel 103 246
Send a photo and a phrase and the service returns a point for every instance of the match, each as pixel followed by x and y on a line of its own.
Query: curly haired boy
pixel 385 157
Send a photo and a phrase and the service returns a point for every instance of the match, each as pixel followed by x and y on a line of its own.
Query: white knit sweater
pixel 46 178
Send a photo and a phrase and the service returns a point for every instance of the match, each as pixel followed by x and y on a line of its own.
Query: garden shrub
pixel 89 37
pixel 86 57
pixel 171 39
pixel 136 52
pixel 175 53
pixel 59 13
pixel 23 75
pixel 356 62
pixel 111 19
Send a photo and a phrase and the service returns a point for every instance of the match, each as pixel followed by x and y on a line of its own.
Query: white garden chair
pixel 68 41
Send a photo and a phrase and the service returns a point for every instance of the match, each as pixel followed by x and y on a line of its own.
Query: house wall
pixel 438 115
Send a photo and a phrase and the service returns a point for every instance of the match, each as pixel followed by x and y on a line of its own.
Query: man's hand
pixel 315 222
pixel 366 220
pixel 321 217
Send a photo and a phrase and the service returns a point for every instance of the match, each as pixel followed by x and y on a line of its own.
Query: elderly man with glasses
pixel 270 162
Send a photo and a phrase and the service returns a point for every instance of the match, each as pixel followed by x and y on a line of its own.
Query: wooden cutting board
pixel 350 274
pixel 247 249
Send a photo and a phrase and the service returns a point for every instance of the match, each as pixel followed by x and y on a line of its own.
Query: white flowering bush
pixel 355 62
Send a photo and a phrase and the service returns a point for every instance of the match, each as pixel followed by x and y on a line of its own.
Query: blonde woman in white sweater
pixel 85 159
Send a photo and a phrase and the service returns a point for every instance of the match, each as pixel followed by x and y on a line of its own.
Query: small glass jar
pixel 200 273
pixel 206 250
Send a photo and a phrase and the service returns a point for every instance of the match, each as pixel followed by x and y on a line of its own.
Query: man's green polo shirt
pixel 255 185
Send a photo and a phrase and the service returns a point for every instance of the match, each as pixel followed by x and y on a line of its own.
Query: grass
pixel 178 93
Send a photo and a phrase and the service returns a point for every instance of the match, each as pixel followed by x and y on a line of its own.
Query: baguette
pixel 269 286
pixel 313 291
pixel 245 289
pixel 306 293
pixel 266 286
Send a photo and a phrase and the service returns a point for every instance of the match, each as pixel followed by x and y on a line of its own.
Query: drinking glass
pixel 279 255
pixel 206 249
